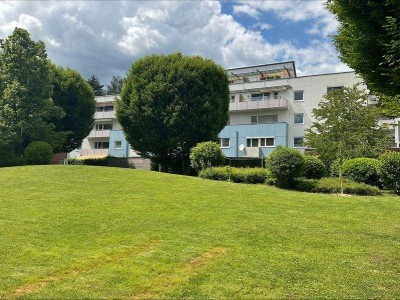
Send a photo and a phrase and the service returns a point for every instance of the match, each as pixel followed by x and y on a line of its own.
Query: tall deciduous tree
pixel 115 86
pixel 96 86
pixel 368 40
pixel 76 97
pixel 346 127
pixel 26 107
pixel 170 103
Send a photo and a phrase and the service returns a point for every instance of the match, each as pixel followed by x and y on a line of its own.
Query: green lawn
pixel 93 232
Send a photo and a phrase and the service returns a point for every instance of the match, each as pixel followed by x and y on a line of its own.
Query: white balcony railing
pixel 263 104
pixel 99 134
pixel 93 152
pixel 104 115
pixel 252 152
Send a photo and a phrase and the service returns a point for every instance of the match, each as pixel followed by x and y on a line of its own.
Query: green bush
pixel 363 170
pixel 205 155
pixel 38 153
pixel 237 175
pixel 313 167
pixel 390 170
pixel 285 165
pixel 245 162
pixel 332 186
pixel 9 159
pixel 334 168
pixel 89 161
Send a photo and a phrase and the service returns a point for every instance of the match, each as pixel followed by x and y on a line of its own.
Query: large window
pixel 276 95
pixel 224 143
pixel 298 119
pixel 264 96
pixel 104 108
pixel 264 119
pixel 261 142
pixel 99 127
pixel 298 142
pixel 101 145
pixel 298 95
pixel 256 97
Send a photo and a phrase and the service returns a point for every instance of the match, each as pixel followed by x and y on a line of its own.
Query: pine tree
pixel 96 86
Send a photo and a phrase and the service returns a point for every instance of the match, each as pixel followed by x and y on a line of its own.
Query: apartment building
pixel 269 106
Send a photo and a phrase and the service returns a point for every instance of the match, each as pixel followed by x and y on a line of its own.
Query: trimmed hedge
pixel 237 175
pixel 363 170
pixel 285 165
pixel 390 170
pixel 90 161
pixel 38 153
pixel 332 186
pixel 313 167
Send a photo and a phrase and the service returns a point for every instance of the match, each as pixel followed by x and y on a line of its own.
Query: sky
pixel 105 37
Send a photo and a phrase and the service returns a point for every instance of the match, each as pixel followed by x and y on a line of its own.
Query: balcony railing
pixel 99 134
pixel 93 152
pixel 252 152
pixel 104 115
pixel 263 104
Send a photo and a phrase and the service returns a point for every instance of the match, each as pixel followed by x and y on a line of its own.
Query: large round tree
pixel 170 103
pixel 76 97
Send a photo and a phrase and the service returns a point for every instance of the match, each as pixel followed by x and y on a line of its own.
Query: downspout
pixel 237 143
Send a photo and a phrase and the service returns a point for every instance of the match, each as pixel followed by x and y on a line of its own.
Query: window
pixel 275 95
pixel 298 142
pixel 261 142
pixel 298 95
pixel 118 144
pixel 108 108
pixel 101 145
pixel 267 142
pixel 265 119
pixel 256 97
pixel 233 97
pixel 252 142
pixel 267 96
pixel 334 88
pixel 99 127
pixel 224 143
pixel 298 119
pixel 99 108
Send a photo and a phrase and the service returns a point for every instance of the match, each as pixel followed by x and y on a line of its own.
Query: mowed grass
pixel 96 232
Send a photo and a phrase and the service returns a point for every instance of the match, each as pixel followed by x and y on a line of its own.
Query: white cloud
pixel 246 9
pixel 105 37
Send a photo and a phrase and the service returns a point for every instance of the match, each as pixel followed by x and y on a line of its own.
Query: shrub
pixel 206 155
pixel 89 161
pixel 334 169
pixel 313 167
pixel 363 170
pixel 217 173
pixel 332 186
pixel 285 165
pixel 237 175
pixel 390 170
pixel 9 159
pixel 38 153
pixel 244 162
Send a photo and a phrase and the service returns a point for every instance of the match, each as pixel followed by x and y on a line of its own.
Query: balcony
pixel 99 134
pixel 104 115
pixel 251 152
pixel 93 152
pixel 272 104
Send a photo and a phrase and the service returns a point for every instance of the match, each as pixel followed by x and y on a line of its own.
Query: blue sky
pixel 105 37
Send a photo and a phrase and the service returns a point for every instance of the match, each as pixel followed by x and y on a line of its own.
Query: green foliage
pixel 38 153
pixel 390 170
pixel 346 127
pixel 364 170
pixel 9 159
pixel 170 103
pixel 26 107
pixel 89 161
pixel 313 167
pixel 244 162
pixel 285 165
pixel 333 186
pixel 335 168
pixel 368 39
pixel 206 155
pixel 94 82
pixel 75 96
pixel 237 175
pixel 115 86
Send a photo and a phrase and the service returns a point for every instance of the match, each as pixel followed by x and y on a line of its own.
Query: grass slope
pixel 92 232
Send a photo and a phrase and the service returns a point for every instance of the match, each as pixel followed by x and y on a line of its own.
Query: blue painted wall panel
pixel 118 135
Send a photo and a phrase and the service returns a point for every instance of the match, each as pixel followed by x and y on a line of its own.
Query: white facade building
pixel 269 106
